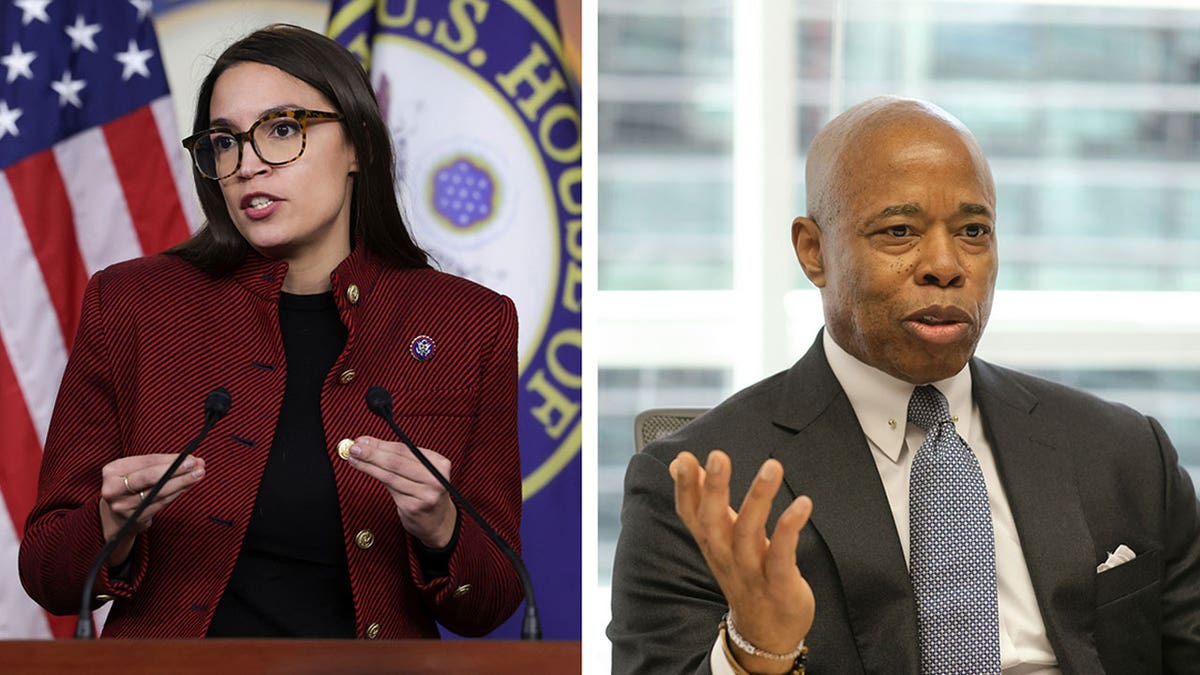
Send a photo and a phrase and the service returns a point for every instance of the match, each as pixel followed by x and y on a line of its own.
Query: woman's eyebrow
pixel 222 122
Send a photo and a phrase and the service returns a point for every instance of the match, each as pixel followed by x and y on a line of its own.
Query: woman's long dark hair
pixel 375 219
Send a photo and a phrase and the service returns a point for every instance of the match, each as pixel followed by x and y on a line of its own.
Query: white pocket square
pixel 1118 557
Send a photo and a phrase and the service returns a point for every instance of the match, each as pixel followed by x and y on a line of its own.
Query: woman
pixel 297 516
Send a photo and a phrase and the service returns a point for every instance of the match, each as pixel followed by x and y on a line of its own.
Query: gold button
pixel 462 590
pixel 352 294
pixel 372 631
pixel 347 376
pixel 343 447
pixel 101 599
pixel 364 539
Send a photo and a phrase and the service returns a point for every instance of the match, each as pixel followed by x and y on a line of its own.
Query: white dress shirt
pixel 880 402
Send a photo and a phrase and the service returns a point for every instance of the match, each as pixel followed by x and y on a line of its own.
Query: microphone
pixel 379 401
pixel 216 404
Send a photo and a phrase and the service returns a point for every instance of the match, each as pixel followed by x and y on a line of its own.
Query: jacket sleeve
pixel 1181 577
pixel 63 534
pixel 666 606
pixel 482 588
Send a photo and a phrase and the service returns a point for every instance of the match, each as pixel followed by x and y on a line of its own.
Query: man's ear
pixel 809 247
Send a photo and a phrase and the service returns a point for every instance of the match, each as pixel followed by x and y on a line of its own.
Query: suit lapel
pixel 1035 463
pixel 829 460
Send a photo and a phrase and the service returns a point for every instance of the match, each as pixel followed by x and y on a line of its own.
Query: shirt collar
pixel 880 401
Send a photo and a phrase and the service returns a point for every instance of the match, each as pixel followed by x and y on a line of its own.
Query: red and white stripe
pixel 105 195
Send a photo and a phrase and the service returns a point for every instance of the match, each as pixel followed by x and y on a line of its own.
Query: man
pixel 962 527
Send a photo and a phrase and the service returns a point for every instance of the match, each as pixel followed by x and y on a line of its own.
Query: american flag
pixel 92 175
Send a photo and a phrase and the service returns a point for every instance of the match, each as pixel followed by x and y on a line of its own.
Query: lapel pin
pixel 421 347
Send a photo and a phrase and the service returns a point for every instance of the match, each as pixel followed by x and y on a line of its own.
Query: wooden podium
pixel 288 657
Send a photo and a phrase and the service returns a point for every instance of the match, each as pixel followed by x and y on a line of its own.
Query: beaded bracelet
pixel 798 656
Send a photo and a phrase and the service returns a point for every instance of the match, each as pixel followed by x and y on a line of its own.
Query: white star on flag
pixel 8 120
pixel 68 90
pixel 83 35
pixel 143 8
pixel 18 62
pixel 33 9
pixel 134 60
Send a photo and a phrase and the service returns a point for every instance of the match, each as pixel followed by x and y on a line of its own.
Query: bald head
pixel 900 237
pixel 863 134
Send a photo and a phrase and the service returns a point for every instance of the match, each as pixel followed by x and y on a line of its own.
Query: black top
pixel 291 578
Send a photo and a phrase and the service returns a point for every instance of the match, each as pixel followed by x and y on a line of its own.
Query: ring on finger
pixel 127 488
pixel 142 494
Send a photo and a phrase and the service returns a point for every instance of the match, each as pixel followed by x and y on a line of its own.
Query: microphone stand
pixel 215 407
pixel 379 401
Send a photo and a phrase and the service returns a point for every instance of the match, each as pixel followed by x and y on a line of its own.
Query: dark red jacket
pixel 156 334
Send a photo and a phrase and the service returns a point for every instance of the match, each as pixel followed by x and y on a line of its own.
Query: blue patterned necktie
pixel 952 553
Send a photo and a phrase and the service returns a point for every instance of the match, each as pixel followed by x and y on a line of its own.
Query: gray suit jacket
pixel 1082 477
